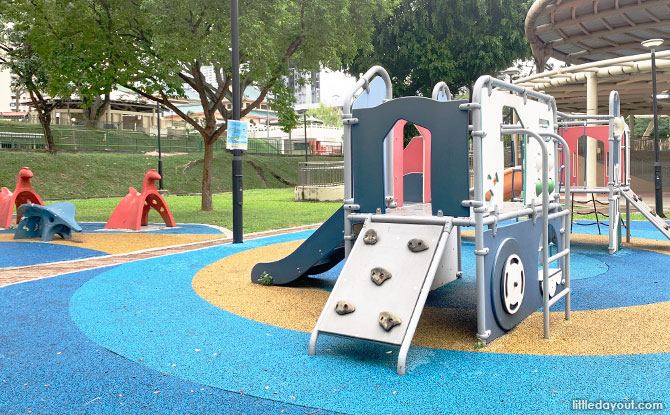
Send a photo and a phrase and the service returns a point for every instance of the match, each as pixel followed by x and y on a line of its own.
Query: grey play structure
pixel 395 255
pixel 613 133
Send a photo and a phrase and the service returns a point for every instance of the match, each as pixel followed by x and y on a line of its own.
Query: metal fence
pixel 95 140
pixel 321 173
pixel 639 144
pixel 20 138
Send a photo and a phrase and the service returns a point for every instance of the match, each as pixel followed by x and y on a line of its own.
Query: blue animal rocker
pixel 46 221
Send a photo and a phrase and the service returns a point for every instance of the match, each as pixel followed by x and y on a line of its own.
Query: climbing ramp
pixel 411 254
pixel 647 211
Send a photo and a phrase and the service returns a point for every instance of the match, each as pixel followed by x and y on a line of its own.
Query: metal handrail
pixel 441 87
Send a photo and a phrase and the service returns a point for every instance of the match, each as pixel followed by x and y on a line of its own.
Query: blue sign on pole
pixel 237 138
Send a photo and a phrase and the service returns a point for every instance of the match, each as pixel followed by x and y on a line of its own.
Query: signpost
pixel 237 153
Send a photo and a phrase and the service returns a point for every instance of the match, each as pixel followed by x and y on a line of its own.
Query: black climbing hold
pixel 344 307
pixel 379 275
pixel 388 320
pixel 417 245
pixel 370 237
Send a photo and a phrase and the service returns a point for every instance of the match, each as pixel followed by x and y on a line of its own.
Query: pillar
pixel 591 143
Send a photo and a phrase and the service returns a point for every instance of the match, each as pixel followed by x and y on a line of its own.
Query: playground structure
pixel 132 212
pixel 402 239
pixel 46 221
pixel 612 134
pixel 23 193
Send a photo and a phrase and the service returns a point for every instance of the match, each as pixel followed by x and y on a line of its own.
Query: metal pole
pixel 591 154
pixel 237 154
pixel 657 165
pixel 267 119
pixel 304 123
pixel 160 154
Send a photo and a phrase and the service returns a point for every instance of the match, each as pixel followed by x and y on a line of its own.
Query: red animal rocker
pixel 133 210
pixel 23 193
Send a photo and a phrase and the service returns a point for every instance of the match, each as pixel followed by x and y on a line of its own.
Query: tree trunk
pixel 93 111
pixel 17 103
pixel 45 120
pixel 207 174
pixel 44 115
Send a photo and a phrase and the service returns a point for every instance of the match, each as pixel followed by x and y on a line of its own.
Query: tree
pixel 426 41
pixel 330 116
pixel 53 57
pixel 30 74
pixel 157 48
pixel 77 43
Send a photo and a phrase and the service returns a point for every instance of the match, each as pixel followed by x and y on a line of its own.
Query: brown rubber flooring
pixel 15 275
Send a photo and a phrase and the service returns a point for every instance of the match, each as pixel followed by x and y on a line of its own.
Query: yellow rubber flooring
pixel 121 243
pixel 226 284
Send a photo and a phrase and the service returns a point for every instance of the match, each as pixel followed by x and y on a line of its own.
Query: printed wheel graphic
pixel 510 294
pixel 513 284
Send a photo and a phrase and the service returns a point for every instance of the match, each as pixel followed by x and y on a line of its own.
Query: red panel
pixel 413 156
pixel 426 166
pixel 600 133
pixel 398 165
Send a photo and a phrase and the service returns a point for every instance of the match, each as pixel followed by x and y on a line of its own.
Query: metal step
pixel 648 213
pixel 404 294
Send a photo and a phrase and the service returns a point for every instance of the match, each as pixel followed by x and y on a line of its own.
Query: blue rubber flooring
pixel 48 366
pixel 17 254
pixel 136 338
pixel 638 229
pixel 162 321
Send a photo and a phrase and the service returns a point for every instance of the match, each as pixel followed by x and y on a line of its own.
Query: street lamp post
pixel 160 153
pixel 304 123
pixel 237 154
pixel 653 44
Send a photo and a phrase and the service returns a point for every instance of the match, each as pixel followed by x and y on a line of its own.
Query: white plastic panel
pixel 538 117
pixel 493 149
pixel 398 295
pixel 533 115
pixel 448 270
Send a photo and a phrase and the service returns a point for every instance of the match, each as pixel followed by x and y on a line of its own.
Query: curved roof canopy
pixel 630 75
pixel 582 31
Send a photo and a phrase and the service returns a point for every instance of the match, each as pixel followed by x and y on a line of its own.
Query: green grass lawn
pixel 82 175
pixel 263 210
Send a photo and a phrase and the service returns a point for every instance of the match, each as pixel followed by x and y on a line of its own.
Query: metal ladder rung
pixel 558 255
pixel 559 214
pixel 558 296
